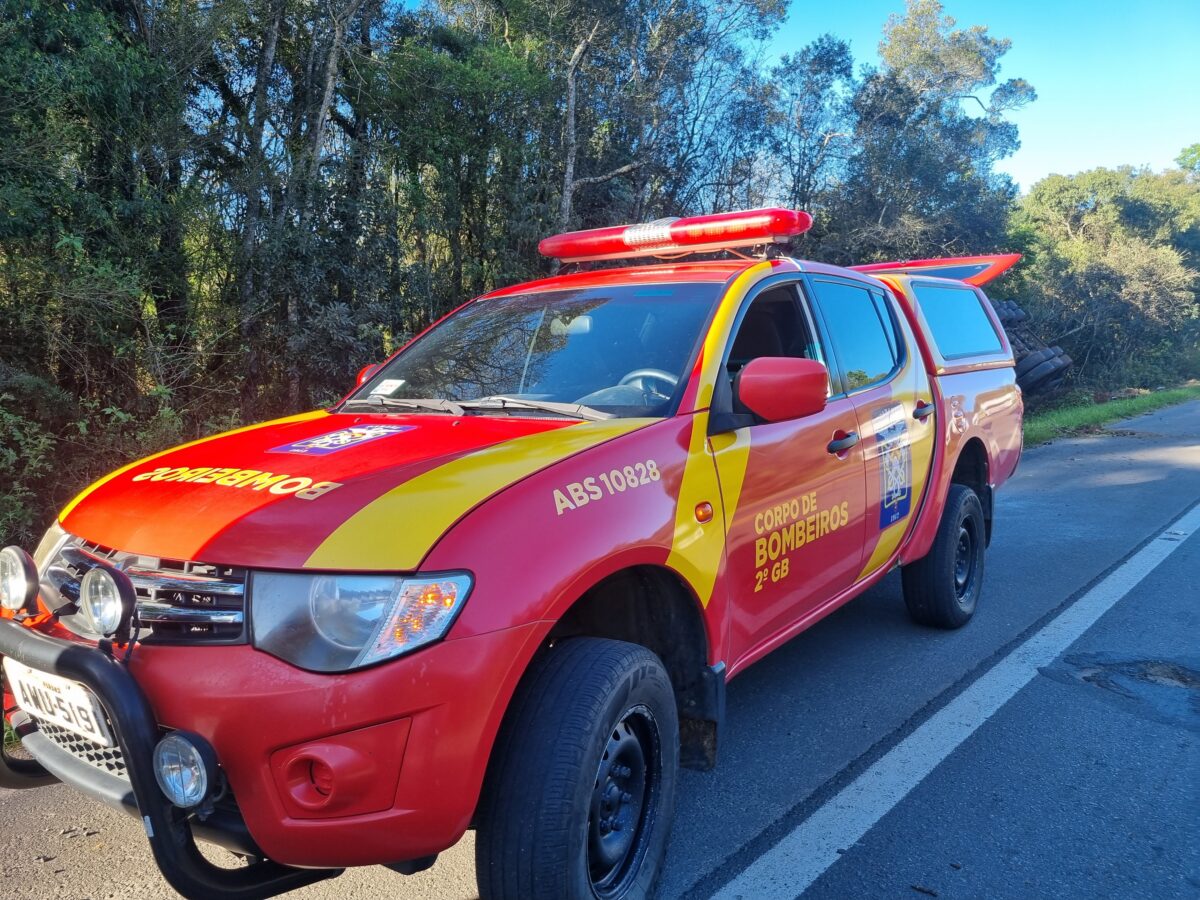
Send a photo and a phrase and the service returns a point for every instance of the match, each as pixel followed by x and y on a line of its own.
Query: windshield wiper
pixel 574 410
pixel 378 400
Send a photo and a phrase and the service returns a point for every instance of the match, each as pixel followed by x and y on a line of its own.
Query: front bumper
pixel 443 703
pixel 168 828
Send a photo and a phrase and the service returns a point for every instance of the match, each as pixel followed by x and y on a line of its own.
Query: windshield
pixel 621 351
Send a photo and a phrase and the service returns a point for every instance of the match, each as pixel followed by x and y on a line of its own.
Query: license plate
pixel 58 700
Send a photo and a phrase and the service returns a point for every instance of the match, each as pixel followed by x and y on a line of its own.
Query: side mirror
pixel 365 373
pixel 778 388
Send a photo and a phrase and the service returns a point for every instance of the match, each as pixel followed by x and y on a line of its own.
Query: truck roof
pixel 676 272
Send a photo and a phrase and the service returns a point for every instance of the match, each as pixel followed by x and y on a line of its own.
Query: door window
pixel 862 331
pixel 773 326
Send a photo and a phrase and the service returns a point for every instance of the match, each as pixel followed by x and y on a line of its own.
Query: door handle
pixel 842 444
pixel 923 410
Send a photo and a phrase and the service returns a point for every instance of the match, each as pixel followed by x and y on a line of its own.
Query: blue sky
pixel 1118 83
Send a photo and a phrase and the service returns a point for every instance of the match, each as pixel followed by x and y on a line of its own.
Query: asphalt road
pixel 1086 783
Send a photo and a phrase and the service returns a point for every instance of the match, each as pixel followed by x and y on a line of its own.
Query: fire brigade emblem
pixel 324 444
pixel 895 464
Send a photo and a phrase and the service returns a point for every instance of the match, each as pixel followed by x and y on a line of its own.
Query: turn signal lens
pixel 424 612
pixel 351 621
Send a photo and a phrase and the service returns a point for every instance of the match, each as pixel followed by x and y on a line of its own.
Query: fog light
pixel 106 599
pixel 185 767
pixel 18 579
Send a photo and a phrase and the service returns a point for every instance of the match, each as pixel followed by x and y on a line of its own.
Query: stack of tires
pixel 1040 369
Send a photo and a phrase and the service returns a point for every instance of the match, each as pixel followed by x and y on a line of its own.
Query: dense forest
pixel 216 211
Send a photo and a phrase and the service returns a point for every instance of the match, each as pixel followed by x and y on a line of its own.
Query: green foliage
pixel 926 131
pixel 1189 159
pixel 1113 272
pixel 32 411
pixel 24 464
pixel 211 213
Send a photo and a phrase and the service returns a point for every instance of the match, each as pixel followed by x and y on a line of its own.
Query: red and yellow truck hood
pixel 321 490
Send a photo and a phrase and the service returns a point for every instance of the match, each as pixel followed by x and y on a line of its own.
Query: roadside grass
pixel 1084 418
pixel 10 736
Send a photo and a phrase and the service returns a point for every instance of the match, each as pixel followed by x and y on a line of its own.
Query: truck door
pixel 882 373
pixel 796 532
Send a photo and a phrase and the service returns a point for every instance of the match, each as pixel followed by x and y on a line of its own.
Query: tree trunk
pixel 256 183
pixel 570 140
pixel 307 169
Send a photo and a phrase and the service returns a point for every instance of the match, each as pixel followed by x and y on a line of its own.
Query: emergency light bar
pixel 694 234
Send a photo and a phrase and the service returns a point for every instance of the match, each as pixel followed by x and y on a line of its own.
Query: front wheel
pixel 942 588
pixel 581 790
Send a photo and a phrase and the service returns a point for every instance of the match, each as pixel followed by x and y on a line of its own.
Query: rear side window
pixel 862 331
pixel 957 320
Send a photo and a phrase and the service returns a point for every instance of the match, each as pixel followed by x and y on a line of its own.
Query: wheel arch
pixel 971 469
pixel 654 607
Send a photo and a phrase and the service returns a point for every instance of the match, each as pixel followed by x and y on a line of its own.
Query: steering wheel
pixel 641 379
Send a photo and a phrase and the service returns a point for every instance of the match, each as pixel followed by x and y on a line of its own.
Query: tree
pixel 213 212
pixel 812 127
pixel 921 179
pixel 1189 159
pixel 1112 272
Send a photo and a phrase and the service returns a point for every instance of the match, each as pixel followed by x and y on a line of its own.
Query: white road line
pixel 799 859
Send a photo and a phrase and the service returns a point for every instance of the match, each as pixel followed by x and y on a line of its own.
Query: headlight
pixel 18 579
pixel 333 623
pixel 105 597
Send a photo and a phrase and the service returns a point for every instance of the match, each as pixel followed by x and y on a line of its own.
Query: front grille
pixel 106 759
pixel 179 601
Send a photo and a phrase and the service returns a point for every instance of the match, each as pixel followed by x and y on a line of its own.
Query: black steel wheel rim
pixel 966 562
pixel 625 800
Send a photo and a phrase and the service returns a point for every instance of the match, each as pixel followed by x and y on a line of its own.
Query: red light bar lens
pixel 694 234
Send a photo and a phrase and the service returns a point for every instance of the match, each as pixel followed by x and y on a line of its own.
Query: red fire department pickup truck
pixel 503 584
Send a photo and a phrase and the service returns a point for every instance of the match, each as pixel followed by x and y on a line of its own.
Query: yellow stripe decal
pixel 398 529
pixel 722 327
pixel 921 448
pixel 890 538
pixel 82 495
pixel 697 549
pixel 732 450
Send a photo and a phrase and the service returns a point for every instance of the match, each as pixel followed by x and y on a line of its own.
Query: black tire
pixel 1056 371
pixel 1033 379
pixel 591 739
pixel 942 588
pixel 1033 360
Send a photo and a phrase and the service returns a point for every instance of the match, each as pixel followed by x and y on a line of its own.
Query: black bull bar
pixel 169 829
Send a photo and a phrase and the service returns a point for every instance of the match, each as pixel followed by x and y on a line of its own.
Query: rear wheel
pixel 942 589
pixel 581 791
